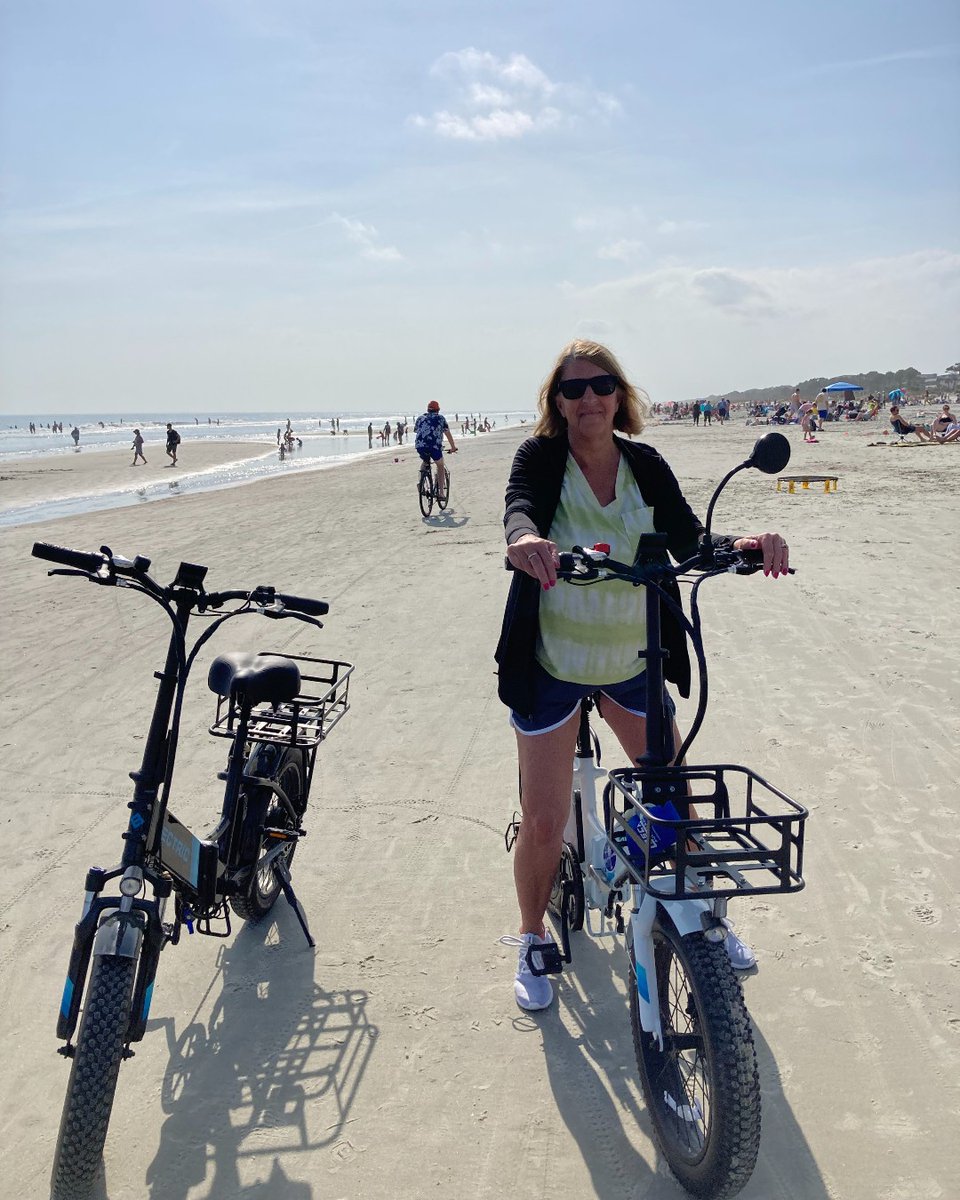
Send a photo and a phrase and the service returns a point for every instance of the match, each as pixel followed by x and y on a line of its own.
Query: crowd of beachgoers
pixel 814 413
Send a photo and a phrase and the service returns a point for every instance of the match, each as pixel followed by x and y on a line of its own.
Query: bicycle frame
pixel 588 830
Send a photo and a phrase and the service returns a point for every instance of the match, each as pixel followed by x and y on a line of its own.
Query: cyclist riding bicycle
pixel 429 431
pixel 575 482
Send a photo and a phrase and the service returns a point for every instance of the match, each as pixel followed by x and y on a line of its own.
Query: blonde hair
pixel 631 411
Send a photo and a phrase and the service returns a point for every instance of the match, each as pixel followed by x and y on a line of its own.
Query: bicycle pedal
pixel 68 1051
pixel 284 835
pixel 511 832
pixel 550 956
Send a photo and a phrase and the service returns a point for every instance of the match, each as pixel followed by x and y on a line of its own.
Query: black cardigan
pixel 533 493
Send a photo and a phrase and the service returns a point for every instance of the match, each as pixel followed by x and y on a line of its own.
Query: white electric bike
pixel 638 861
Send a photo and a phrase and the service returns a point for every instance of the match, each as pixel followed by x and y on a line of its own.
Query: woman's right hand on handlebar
pixel 535 556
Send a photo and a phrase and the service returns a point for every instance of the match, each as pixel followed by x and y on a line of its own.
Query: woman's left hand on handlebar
pixel 776 552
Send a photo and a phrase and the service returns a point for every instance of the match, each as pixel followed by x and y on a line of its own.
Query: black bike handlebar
pixel 92 564
pixel 81 560
pixel 303 604
pixel 584 566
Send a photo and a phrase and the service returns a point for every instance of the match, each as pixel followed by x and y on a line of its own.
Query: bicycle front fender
pixel 685 914
pixel 120 936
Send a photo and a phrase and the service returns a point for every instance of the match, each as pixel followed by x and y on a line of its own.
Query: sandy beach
pixel 392 1060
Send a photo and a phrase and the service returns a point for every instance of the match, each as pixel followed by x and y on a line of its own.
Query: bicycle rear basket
pixel 304 721
pixel 747 837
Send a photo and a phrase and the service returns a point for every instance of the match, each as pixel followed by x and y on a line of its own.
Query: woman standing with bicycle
pixel 575 482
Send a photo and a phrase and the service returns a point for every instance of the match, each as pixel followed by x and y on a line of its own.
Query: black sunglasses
pixel 574 389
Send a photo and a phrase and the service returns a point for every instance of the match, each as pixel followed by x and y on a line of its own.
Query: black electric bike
pixel 275 710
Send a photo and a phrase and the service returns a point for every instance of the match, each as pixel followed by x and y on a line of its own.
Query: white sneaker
pixel 741 956
pixel 532 992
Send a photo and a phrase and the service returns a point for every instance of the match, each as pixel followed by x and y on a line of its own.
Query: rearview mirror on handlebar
pixel 770 454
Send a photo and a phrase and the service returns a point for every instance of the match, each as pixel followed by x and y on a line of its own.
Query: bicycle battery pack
pixel 187 857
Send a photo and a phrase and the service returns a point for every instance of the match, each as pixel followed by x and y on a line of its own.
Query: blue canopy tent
pixel 847 389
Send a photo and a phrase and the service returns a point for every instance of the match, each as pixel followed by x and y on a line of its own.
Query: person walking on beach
pixel 173 441
pixel 137 448
pixel 429 430
pixel 369 435
pixel 575 481
pixel 75 434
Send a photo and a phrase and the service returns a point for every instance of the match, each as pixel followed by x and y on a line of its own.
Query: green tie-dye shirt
pixel 591 635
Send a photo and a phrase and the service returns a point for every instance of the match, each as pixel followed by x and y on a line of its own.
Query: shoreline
pixel 37 489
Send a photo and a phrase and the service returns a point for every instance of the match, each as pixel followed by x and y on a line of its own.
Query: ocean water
pixel 320 449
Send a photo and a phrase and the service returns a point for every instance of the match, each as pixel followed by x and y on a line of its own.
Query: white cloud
pixel 922 55
pixel 496 98
pixel 367 238
pixel 733 291
pixel 622 250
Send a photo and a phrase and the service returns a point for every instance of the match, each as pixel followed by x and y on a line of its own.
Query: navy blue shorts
pixel 428 452
pixel 556 700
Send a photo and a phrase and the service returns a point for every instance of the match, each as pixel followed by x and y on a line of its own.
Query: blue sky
pixel 274 204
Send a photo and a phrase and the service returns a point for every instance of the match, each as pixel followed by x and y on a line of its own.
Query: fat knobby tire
pixel 703 1094
pixel 93 1077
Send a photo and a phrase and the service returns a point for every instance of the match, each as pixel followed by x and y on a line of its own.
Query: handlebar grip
pixel 312 608
pixel 566 562
pixel 82 560
pixel 753 561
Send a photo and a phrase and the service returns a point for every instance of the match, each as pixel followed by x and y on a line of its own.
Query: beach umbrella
pixel 843 387
pixel 896 395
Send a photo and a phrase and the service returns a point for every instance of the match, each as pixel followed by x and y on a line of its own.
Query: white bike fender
pixel 685 914
pixel 118 938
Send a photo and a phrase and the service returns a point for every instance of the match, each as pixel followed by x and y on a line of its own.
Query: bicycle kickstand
pixel 282 873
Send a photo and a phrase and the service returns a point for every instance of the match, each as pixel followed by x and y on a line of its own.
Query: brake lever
pixel 82 575
pixel 285 614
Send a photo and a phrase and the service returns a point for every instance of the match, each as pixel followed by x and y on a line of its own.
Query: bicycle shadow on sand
pixel 273 1072
pixel 588 1046
pixel 444 520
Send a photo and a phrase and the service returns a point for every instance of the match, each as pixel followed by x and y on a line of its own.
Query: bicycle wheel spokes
pixel 685 1064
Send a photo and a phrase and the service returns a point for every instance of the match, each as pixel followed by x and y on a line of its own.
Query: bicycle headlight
pixel 131 884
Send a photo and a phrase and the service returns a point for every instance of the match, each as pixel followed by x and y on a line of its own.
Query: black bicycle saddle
pixel 258 676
